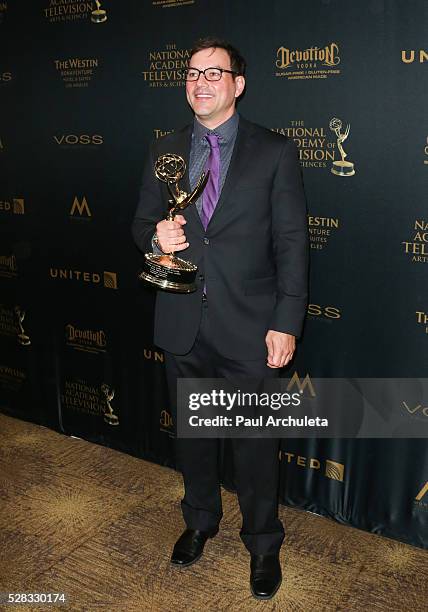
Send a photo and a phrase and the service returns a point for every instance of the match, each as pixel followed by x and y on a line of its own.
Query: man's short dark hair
pixel 237 62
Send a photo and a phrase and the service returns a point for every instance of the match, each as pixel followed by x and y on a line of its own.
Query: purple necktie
pixel 211 191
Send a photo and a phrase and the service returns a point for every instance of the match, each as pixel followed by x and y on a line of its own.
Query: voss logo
pixel 79 139
pixel 330 312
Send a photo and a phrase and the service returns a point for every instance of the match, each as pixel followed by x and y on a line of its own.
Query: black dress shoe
pixel 190 546
pixel 266 576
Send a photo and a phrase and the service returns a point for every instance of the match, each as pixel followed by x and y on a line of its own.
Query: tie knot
pixel 213 140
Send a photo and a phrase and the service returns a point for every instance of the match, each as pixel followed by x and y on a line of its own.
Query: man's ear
pixel 240 85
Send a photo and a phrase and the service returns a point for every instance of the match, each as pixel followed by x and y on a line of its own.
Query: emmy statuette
pixel 166 271
pixel 341 167
pixel 23 338
pixel 109 416
pixel 99 15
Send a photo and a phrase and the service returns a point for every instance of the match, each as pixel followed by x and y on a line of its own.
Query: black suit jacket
pixel 253 256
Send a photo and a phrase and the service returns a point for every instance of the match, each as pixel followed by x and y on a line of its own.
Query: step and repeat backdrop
pixel 84 87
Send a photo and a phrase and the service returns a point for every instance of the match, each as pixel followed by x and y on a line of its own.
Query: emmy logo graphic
pixel 342 167
pixel 109 416
pixel 99 15
pixel 23 339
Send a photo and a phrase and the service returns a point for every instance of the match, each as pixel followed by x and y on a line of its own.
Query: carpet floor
pixel 99 526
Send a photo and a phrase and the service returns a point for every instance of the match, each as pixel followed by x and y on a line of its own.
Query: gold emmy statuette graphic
pixel 99 15
pixel 168 271
pixel 342 167
pixel 109 416
pixel 22 336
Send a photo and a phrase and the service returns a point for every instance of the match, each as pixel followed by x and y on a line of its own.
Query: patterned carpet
pixel 99 526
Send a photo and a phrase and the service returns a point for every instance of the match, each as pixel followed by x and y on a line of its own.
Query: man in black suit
pixel 251 249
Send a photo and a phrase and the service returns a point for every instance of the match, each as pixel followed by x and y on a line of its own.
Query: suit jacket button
pixel 206 240
pixel 201 277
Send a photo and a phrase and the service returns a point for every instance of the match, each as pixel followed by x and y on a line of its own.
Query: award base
pixel 98 16
pixel 24 340
pixel 169 272
pixel 343 168
pixel 111 419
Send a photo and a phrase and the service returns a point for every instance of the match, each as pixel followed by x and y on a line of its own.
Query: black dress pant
pixel 256 461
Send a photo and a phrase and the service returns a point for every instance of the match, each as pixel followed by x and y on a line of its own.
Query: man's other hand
pixel 171 235
pixel 280 347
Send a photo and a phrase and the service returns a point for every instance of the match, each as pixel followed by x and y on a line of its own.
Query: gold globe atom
pixel 170 168
pixel 335 123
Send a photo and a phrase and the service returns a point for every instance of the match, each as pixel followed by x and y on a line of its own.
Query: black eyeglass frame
pixel 221 70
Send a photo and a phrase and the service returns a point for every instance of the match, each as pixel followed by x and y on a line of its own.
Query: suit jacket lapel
pixel 240 156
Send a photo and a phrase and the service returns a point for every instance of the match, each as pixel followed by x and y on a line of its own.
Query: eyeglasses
pixel 211 74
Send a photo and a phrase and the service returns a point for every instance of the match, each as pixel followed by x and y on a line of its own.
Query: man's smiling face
pixel 213 102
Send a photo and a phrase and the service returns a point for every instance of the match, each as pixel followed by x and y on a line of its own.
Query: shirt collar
pixel 226 131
